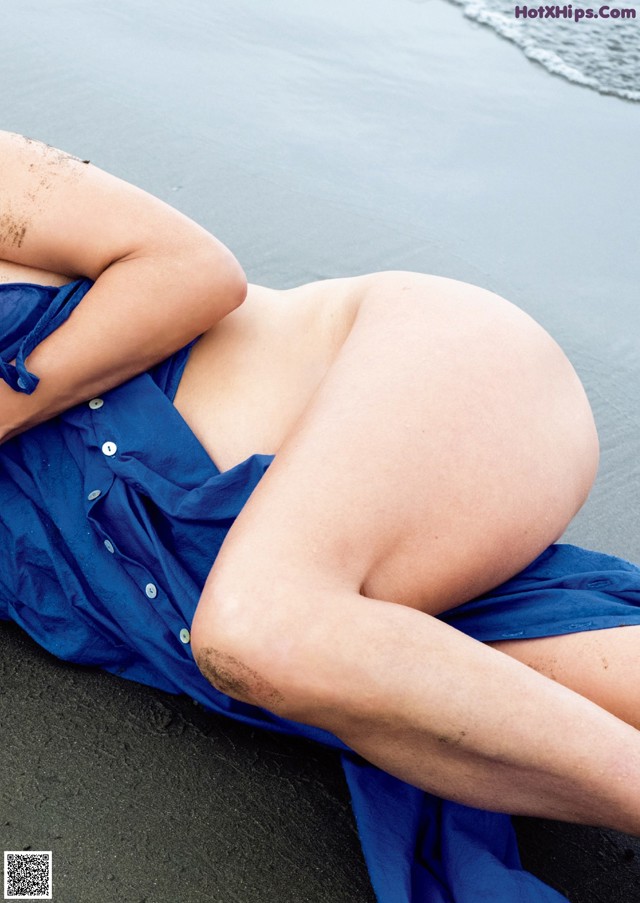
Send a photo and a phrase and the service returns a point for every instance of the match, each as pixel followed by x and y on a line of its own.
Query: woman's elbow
pixel 235 284
pixel 217 276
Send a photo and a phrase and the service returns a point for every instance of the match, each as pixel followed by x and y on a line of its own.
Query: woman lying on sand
pixel 431 443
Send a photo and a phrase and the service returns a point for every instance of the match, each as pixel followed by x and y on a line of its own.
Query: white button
pixel 185 636
pixel 93 495
pixel 21 383
pixel 151 590
pixel 109 448
pixel 96 403
pixel 109 546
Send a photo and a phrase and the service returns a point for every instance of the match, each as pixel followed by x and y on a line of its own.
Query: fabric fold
pixel 58 305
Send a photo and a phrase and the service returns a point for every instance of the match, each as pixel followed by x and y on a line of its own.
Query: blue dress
pixel 111 516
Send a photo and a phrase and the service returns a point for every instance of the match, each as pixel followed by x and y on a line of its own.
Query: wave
pixel 602 54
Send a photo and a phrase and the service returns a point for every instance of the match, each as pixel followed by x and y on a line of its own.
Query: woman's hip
pixel 448 444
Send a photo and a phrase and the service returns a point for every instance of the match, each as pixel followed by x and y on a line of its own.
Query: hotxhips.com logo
pixel 574 14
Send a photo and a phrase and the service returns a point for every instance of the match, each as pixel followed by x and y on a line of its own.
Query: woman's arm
pixel 160 279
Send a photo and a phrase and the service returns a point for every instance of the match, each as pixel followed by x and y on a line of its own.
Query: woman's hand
pixel 160 279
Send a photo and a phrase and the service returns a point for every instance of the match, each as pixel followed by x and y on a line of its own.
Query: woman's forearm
pixel 139 311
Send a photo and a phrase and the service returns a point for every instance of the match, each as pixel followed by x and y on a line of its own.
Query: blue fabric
pixel 29 314
pixel 104 549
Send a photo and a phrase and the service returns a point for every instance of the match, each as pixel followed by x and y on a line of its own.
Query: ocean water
pixel 601 53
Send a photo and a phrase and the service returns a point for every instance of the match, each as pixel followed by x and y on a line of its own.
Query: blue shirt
pixel 111 516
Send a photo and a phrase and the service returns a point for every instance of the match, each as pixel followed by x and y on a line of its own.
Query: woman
pixel 431 442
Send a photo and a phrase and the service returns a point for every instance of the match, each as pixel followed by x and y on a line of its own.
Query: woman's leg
pixel 603 665
pixel 447 446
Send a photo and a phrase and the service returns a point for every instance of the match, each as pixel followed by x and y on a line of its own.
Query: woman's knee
pixel 224 636
pixel 251 643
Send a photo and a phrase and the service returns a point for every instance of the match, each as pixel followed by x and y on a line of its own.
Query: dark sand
pixel 315 142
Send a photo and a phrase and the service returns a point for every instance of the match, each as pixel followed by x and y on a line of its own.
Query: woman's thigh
pixel 449 443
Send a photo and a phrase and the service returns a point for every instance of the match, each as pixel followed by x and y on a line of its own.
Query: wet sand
pixel 315 142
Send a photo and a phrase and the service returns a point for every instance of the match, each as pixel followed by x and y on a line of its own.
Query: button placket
pixel 109 449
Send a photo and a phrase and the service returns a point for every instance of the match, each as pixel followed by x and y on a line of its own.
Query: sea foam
pixel 600 53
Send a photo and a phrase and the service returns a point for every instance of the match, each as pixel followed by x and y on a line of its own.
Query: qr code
pixel 27 875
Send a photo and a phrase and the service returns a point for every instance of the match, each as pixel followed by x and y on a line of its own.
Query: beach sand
pixel 316 140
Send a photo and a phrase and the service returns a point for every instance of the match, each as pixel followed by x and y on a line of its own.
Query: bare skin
pixel 431 440
pixel 374 499
pixel 372 393
pixel 235 410
pixel 159 279
pixel 249 378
